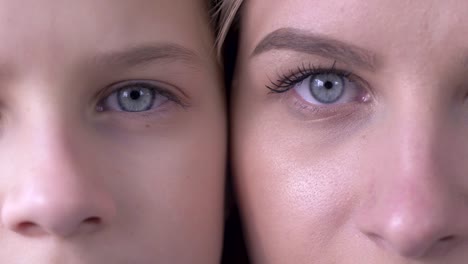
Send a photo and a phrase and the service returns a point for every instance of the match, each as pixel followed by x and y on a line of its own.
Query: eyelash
pixel 286 82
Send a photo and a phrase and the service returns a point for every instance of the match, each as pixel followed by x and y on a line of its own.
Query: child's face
pixel 111 133
pixel 350 131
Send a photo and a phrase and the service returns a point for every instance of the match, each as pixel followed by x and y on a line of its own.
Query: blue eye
pixel 327 88
pixel 320 86
pixel 134 97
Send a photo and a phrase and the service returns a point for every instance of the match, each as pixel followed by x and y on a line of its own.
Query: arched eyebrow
pixel 305 42
pixel 148 53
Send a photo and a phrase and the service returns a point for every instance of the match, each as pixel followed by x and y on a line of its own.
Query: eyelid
pixel 160 88
pixel 285 82
pixel 361 103
pixel 285 87
pixel 311 112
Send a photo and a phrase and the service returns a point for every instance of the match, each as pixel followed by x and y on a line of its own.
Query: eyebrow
pixel 147 53
pixel 305 42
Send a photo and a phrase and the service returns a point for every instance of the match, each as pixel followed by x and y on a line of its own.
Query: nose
pixel 415 206
pixel 56 208
pixel 58 193
pixel 413 225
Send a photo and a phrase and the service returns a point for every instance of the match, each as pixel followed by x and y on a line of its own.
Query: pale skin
pixel 83 179
pixel 378 175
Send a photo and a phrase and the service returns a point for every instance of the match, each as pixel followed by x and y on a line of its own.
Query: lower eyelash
pixel 285 82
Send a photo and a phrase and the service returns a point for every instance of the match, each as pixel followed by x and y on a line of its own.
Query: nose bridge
pixel 414 136
pixel 415 204
pixel 57 192
pixel 49 142
pixel 415 183
pixel 410 136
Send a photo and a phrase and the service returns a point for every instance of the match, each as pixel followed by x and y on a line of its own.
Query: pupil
pixel 134 95
pixel 328 85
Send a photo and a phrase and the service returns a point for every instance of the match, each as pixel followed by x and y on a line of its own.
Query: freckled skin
pixel 84 182
pixel 380 182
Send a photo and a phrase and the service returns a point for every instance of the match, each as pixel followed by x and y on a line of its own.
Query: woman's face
pixel 350 124
pixel 112 140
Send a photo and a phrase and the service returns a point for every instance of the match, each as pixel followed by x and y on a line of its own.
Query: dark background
pixel 234 248
pixel 234 251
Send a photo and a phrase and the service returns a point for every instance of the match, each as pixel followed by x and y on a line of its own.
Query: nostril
pixel 90 224
pixel 29 228
pixel 26 225
pixel 92 221
pixel 447 239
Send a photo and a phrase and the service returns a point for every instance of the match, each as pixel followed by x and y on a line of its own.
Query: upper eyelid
pixel 287 81
pixel 161 87
pixel 361 83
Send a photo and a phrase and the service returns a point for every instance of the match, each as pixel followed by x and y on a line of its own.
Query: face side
pixel 84 181
pixel 375 176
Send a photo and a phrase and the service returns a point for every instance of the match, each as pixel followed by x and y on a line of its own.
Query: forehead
pixel 376 23
pixel 78 26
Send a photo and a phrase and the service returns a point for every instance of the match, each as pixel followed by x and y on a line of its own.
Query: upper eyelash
pixel 287 81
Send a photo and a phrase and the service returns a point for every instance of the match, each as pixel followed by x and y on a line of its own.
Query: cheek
pixel 297 193
pixel 169 181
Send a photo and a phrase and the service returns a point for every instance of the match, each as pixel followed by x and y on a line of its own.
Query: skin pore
pixel 349 131
pixel 112 133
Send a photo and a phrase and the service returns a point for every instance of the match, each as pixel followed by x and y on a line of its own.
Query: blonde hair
pixel 225 13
